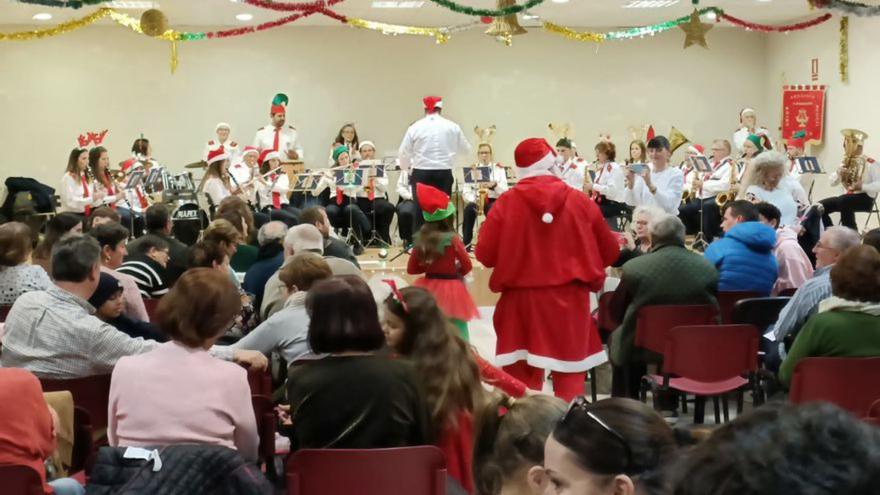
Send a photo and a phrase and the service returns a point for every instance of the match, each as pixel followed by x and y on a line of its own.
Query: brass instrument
pixel 482 196
pixel 587 180
pixel 676 140
pixel 726 197
pixel 853 163
pixel 688 196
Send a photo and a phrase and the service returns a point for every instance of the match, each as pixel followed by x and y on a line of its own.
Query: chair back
pixel 264 412
pixel 850 383
pixel 758 311
pixel 4 311
pixel 20 480
pixel 91 393
pixel 396 471
pixel 711 353
pixel 604 321
pixel 727 299
pixel 151 305
pixel 787 292
pixel 874 410
pixel 260 382
pixel 654 322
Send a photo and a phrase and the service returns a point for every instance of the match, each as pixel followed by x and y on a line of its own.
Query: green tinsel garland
pixel 464 9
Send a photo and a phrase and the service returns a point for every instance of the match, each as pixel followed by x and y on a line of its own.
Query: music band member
pixel 471 191
pixel 223 130
pixel 638 152
pixel 351 206
pixel 216 184
pixel 859 176
pixel 407 209
pixel 748 126
pixel 573 167
pixel 430 147
pixel 78 194
pixel 607 187
pixel 657 184
pixel 373 198
pixel 794 147
pixel 273 188
pixel 114 195
pixel 705 188
pixel 347 137
pixel 278 136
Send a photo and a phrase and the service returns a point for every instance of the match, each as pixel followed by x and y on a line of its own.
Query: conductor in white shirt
pixel 278 136
pixel 429 149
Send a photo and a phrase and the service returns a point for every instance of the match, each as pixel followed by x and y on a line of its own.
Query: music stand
pixel 700 165
pixel 349 180
pixel 135 177
pixel 809 165
pixel 477 176
pixel 154 181
pixel 374 169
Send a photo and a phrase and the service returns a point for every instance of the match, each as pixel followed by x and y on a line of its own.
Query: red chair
pixel 709 361
pixel 399 471
pixel 264 412
pixel 654 322
pixel 874 410
pixel 151 305
pixel 91 393
pixel 4 311
pixel 728 299
pixel 605 323
pixel 260 382
pixel 850 383
pixel 20 480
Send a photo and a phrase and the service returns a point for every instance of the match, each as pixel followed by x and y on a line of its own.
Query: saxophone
pixel 588 181
pixel 726 197
pixel 853 163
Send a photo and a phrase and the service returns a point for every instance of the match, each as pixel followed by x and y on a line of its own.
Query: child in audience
pixel 107 301
pixel 440 254
pixel 509 446
pixel 17 276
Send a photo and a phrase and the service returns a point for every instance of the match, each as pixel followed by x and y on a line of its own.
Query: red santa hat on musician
pixel 249 149
pixel 432 103
pixel 535 156
pixel 267 155
pixel 696 149
pixel 217 154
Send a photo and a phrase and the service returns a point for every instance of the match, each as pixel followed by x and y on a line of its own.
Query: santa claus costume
pixel 548 246
pixel 440 254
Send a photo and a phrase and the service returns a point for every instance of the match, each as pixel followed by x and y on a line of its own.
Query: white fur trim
pixel 221 156
pixel 545 164
pixel 222 124
pixel 552 364
pixel 547 217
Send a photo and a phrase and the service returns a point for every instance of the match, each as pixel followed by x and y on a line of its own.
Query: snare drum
pixel 188 220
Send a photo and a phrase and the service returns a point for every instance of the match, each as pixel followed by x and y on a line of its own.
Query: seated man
pixel 270 237
pixel 744 256
pixel 158 219
pixel 646 280
pixel 53 334
pixel 794 265
pixel 148 267
pixel 317 216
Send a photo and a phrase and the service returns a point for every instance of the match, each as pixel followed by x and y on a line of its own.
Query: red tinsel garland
pixel 228 33
pixel 765 28
pixel 291 7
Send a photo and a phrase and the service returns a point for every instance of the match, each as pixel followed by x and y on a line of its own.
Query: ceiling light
pixel 244 17
pixel 132 4
pixel 530 17
pixel 649 4
pixel 765 1
pixel 712 16
pixel 560 1
pixel 395 4
pixel 42 16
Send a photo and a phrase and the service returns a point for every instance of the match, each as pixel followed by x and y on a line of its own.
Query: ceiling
pixel 581 13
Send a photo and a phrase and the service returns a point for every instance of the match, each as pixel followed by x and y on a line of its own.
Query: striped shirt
pixel 148 275
pixel 803 304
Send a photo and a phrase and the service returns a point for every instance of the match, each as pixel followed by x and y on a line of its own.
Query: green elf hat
pixel 798 139
pixel 338 151
pixel 279 104
pixel 435 204
pixel 756 140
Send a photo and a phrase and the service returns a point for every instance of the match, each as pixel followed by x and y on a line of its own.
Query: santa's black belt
pixel 444 276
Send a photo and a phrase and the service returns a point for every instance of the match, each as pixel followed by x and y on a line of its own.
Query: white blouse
pixel 787 196
pixel 73 198
pixel 216 190
pixel 280 186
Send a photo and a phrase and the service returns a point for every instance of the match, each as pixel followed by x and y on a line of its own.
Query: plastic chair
pixel 398 471
pixel 654 322
pixel 151 305
pixel 850 383
pixel 92 393
pixel 20 480
pixel 709 361
pixel 727 300
pixel 759 311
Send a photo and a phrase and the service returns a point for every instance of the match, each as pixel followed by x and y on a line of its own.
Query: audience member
pixel 640 243
pixel 107 301
pixel 208 254
pixel 269 259
pixel 744 256
pixel 509 446
pixel 148 267
pixel 239 214
pixel 813 449
pixel 228 236
pixel 17 276
pixel 111 238
pixel 301 238
pixel 848 323
pixel 645 281
pixel 286 331
pixel 615 446
pixel 56 228
pixel 52 333
pixel 872 238
pixel 177 392
pixel 794 265
pixel 317 216
pixel 805 301
pixel 353 398
pixel 158 221
pixel 102 214
pixel 28 429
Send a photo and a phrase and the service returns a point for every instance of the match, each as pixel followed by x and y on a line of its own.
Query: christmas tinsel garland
pixel 464 9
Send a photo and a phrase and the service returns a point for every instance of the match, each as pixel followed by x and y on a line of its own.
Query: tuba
pixel 853 162
pixel 676 139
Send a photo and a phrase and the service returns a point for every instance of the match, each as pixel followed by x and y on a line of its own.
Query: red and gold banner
pixel 803 109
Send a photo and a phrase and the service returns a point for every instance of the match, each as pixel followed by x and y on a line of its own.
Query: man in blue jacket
pixel 744 256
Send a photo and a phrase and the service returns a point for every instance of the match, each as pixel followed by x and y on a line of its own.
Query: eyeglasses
pixel 581 404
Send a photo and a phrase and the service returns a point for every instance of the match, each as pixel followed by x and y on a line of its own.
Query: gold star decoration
pixel 695 31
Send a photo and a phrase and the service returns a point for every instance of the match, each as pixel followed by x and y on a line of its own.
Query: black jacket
pixel 41 194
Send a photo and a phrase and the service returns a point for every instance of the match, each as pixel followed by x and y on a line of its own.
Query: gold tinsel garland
pixel 440 35
pixel 844 49
pixel 572 34
pixel 64 27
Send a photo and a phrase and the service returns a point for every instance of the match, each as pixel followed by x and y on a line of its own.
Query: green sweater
pixel 244 257
pixel 833 334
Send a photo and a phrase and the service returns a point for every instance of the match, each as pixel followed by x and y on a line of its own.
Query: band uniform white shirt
pixel 432 143
pixel 572 172
pixel 379 183
pixel 741 134
pixel 870 178
pixel 73 197
pixel 273 183
pixel 115 199
pixel 231 147
pixel 499 176
pixel 239 175
pixel 287 140
pixel 609 181
pixel 669 184
pixel 714 183
pixel 354 154
pixel 215 189
pixel 404 190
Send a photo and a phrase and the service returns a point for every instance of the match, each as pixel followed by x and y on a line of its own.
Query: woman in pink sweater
pixel 178 392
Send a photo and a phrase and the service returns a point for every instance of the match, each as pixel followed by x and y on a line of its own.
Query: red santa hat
pixel 432 103
pixel 268 154
pixel 696 149
pixel 534 156
pixel 250 149
pixel 128 164
pixel 217 154
pixel 435 204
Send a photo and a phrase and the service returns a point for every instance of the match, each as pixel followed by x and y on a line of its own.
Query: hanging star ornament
pixel 695 31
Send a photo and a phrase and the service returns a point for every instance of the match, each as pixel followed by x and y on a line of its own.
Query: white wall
pixel 106 77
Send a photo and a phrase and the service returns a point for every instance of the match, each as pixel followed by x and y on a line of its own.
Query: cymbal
pixel 198 164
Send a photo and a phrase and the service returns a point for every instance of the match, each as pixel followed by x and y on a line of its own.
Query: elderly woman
pixel 17 276
pixel 848 323
pixel 179 393
pixel 640 243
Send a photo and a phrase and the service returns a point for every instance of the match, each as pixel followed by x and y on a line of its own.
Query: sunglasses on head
pixel 580 405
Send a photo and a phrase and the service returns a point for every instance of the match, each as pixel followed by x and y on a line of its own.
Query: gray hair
pixel 666 230
pixel 651 212
pixel 842 238
pixel 271 232
pixel 769 159
pixel 304 237
pixel 74 257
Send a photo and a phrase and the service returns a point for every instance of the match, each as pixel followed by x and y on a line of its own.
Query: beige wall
pixel 53 89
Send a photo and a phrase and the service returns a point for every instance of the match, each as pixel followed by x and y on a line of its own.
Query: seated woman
pixel 179 393
pixel 234 210
pixel 470 191
pixel 353 398
pixel 17 276
pixel 606 188
pixel 848 323
pixel 59 226
pixel 149 267
pixel 286 332
pixel 640 243
pixel 112 238
pixel 102 214
pixel 78 194
pixel 372 199
pixel 509 444
pixel 221 233
pixel 107 301
pixel 114 195
pixel 273 190
pixel 615 446
pixel 344 211
pixel 795 267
